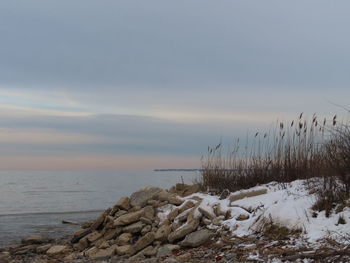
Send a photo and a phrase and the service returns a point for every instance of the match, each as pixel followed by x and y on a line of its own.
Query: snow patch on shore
pixel 286 205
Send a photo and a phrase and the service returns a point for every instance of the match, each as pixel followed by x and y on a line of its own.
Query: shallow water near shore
pixel 36 202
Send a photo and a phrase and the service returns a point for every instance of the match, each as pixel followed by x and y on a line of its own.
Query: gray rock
pixel 148 212
pixel 144 241
pixel 80 234
pixel 120 213
pixel 184 230
pixel 43 249
pixel 146 229
pixel 104 253
pixel 141 197
pixel 124 203
pixel 163 251
pixel 93 236
pixel 150 260
pixel 128 218
pixel 197 238
pixel 31 240
pixel 124 239
pixel 170 260
pixel 58 249
pixel 134 228
pixel 124 250
pixel 163 232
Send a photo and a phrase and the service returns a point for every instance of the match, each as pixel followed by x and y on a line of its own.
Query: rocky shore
pixel 176 225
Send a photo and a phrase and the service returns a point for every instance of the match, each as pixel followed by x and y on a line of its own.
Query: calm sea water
pixel 33 202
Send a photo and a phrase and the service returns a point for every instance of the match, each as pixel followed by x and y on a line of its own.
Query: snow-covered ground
pixel 288 205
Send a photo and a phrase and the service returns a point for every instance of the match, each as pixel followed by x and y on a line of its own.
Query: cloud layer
pixel 141 81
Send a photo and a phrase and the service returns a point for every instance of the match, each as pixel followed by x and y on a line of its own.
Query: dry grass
pixel 286 153
pixel 300 149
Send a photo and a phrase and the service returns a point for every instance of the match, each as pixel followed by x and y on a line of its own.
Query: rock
pixel 124 239
pixel 163 232
pixel 146 229
pixel 218 211
pixel 242 217
pixel 183 216
pixel 206 221
pixel 134 228
pixel 57 249
pixel 144 241
pixel 249 193
pixel 24 250
pixel 148 212
pixel 187 205
pixel 146 220
pixel 170 260
pixel 207 213
pixel 169 197
pixel 124 203
pixel 148 251
pixel 173 214
pixel 114 210
pixel 163 251
pixel 141 197
pixel 224 194
pixel 91 251
pixel 197 238
pixel 112 233
pixel 136 258
pixel 184 257
pixel 185 190
pixel 43 249
pixel 184 230
pixel 104 245
pixel 32 240
pixel 70 257
pixel 154 203
pixel 128 218
pixel 125 250
pixel 83 243
pixel 101 253
pixel 120 213
pixel 93 236
pixel 98 222
pixel 80 234
pixel 135 209
pixel 150 260
pixel 216 221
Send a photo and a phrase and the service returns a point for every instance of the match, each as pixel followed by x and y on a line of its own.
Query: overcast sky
pixel 150 84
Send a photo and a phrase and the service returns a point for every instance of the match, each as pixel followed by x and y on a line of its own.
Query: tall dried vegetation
pixel 300 149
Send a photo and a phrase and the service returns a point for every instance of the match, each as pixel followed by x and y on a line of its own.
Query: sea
pixel 36 202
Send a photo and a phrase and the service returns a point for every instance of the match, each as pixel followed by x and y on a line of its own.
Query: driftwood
pixel 71 223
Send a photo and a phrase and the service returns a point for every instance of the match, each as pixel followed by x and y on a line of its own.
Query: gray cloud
pixel 156 44
pixel 134 63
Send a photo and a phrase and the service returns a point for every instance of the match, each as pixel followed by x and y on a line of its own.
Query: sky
pixel 113 85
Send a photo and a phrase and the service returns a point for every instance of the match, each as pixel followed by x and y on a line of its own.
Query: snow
pixel 286 205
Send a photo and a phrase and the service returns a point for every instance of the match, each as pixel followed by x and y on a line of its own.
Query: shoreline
pixel 183 224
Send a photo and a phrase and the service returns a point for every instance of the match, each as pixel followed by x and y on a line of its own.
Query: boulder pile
pixel 151 222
